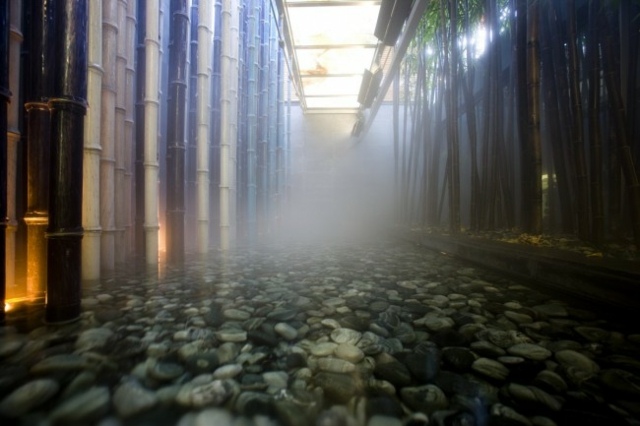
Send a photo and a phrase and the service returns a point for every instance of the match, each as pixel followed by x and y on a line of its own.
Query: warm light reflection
pixel 7 307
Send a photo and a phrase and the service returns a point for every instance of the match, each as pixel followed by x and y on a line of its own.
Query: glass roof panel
pixel 322 25
pixel 332 86
pixel 319 62
pixel 339 102
pixel 333 44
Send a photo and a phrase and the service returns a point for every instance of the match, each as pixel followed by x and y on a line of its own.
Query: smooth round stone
pixel 438 323
pixel 503 415
pixel 518 317
pixel 84 407
pixel 227 371
pixel 11 344
pixel 276 379
pixel 336 365
pixel 457 358
pixel 27 397
pixel 551 381
pixel 569 358
pixel 426 399
pixel 349 353
pixel 62 362
pixel 164 371
pixel 93 338
pixel 130 398
pixel 231 335
pixel 323 349
pixel 593 334
pixel 533 395
pixel 286 331
pixel 282 314
pixel 621 382
pixel 490 368
pixel 213 393
pixel 346 335
pixel 331 323
pixel 529 351
pixel 552 310
pixel 236 314
pixel 339 388
pixel 334 302
pixel 394 372
pixel 379 420
pixel 502 338
pixel 378 306
pixel 213 416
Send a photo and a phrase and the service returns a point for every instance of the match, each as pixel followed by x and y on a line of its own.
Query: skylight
pixel 333 44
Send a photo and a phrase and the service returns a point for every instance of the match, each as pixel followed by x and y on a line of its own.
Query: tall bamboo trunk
pixel 556 140
pixel 140 128
pixel 214 147
pixel 204 63
pixel 595 141
pixel 582 188
pixel 533 84
pixel 191 168
pixel 5 97
pixel 151 120
pixel 253 67
pixel 129 126
pixel 120 133
pixel 68 107
pixel 13 141
pixel 176 128
pixel 38 90
pixel 523 114
pixel 92 148
pixel 108 133
pixel 621 131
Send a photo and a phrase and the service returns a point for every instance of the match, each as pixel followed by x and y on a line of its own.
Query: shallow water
pixel 343 334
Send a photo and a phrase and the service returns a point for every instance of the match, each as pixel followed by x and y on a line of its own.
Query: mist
pixel 341 187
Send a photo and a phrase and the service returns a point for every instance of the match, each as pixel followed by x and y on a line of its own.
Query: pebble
pixel 286 331
pixel 131 398
pixel 490 368
pixel 529 351
pixel 322 337
pixel 85 407
pixel 27 397
pixel 349 352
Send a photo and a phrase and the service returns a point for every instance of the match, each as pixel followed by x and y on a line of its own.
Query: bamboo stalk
pixel 13 140
pixel 5 97
pixel 205 47
pixel 151 116
pixel 120 133
pixel 42 27
pixel 176 116
pixel 92 148
pixel 68 107
pixel 108 133
pixel 129 125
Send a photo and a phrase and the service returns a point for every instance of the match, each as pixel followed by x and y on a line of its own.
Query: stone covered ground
pixel 348 334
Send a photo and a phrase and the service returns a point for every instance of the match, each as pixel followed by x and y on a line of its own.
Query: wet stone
pixel 427 398
pixel 85 407
pixel 530 351
pixel 27 397
pixel 131 398
pixel 346 335
pixel 349 352
pixel 490 368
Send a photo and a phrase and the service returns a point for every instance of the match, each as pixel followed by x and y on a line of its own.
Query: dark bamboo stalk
pixel 595 141
pixel 577 135
pixel 454 144
pixel 5 97
pixel 522 107
pixel 621 130
pixel 68 107
pixel 533 84
pixel 551 95
pixel 176 116
pixel 192 129
pixel 140 128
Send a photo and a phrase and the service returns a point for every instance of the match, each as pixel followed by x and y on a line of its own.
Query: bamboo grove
pixel 521 115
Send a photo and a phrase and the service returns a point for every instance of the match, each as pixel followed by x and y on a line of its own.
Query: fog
pixel 341 188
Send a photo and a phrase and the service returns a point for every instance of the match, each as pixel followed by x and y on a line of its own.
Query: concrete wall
pixel 340 188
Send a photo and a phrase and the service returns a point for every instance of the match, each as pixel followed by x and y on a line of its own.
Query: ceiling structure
pixel 343 54
pixel 332 43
